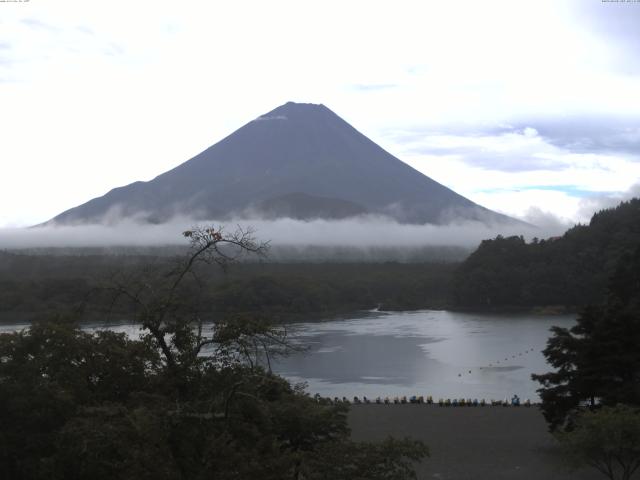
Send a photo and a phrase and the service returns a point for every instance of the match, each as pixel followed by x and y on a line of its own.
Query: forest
pixel 33 284
pixel 569 271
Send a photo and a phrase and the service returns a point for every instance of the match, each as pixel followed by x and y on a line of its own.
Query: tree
pixel 597 361
pixel 607 440
pixel 165 304
pixel 181 402
pixel 48 374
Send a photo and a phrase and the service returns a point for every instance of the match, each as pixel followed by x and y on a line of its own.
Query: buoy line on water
pixel 495 363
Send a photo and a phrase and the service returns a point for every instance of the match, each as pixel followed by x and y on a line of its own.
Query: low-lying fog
pixel 363 232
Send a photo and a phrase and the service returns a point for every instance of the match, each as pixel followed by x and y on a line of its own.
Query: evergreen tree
pixel 597 361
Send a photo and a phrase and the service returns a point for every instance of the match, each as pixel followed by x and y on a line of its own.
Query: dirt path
pixel 470 443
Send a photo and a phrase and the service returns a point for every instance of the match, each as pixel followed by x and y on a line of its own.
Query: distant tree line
pixel 32 285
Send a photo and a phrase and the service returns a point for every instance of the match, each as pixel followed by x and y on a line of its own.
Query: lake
pixel 427 352
pixel 438 353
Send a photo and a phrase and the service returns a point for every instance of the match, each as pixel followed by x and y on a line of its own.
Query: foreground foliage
pixel 181 402
pixel 607 440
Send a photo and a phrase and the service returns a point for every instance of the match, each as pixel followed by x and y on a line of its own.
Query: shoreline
pixel 541 310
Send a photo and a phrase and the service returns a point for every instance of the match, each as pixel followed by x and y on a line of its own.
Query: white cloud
pixel 534 205
pixel 363 232
pixel 97 95
pixel 520 172
pixel 588 206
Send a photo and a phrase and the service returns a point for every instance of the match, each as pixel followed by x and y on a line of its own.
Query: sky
pixel 530 108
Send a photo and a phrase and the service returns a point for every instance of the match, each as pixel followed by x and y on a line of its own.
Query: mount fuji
pixel 300 161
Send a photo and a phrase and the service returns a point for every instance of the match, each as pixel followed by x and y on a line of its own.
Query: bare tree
pixel 167 309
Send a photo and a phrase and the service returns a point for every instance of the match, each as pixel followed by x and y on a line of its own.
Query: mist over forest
pixel 365 232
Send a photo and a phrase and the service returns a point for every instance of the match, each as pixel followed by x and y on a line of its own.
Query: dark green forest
pixel 32 285
pixel 569 271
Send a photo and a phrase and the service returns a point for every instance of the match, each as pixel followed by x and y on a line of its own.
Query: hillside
pixel 571 270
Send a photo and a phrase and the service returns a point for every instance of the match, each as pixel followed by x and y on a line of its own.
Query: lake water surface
pixel 427 352
pixel 438 353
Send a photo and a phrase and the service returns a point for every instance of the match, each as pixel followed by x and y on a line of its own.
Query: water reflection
pixel 439 353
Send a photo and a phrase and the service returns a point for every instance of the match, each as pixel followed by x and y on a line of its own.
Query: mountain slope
pixel 296 148
pixel 302 206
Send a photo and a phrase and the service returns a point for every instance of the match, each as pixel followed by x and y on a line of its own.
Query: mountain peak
pixel 300 148
pixel 293 109
pixel 304 106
